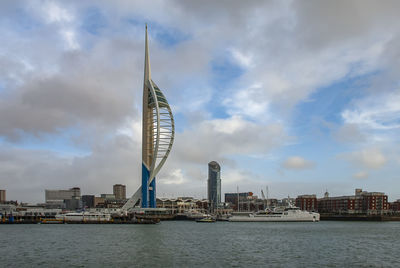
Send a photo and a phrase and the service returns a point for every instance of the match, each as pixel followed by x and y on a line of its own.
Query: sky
pixel 299 96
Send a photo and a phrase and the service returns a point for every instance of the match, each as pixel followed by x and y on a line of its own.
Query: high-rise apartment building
pixel 119 191
pixel 58 196
pixel 214 185
pixel 2 196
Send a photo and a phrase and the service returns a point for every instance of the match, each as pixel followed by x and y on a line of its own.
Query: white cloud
pixel 222 138
pixel 132 128
pixel 55 13
pixel 249 102
pixel 241 58
pixel 174 177
pixel 70 39
pixel 376 112
pixel 297 162
pixel 361 175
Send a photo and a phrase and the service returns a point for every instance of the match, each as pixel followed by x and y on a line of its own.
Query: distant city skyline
pixel 297 95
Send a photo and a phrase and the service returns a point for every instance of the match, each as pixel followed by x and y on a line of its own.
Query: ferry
pixel 84 217
pixel 288 214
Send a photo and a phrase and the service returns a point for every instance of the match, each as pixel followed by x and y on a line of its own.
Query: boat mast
pixel 238 198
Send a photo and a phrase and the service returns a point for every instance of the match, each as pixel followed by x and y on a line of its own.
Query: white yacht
pixel 289 214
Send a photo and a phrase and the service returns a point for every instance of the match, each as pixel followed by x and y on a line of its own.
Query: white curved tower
pixel 158 132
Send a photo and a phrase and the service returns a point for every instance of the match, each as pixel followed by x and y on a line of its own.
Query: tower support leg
pixel 145 188
pixel 152 194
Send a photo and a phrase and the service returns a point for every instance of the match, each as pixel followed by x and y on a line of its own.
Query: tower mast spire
pixel 147 71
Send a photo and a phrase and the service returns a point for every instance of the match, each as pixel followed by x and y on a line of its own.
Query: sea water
pixel 191 244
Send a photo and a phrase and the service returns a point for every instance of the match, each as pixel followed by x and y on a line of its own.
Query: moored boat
pixel 51 221
pixel 84 217
pixel 206 219
pixel 289 214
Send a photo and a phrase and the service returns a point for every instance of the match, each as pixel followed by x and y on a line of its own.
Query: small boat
pixel 194 215
pixel 206 219
pixel 51 221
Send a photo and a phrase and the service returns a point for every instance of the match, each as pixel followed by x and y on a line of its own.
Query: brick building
pixel 247 201
pixel 307 202
pixel 361 203
pixel 395 206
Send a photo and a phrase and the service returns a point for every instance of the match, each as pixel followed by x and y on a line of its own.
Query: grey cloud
pixel 326 23
pixel 85 92
pixel 26 173
pixel 238 12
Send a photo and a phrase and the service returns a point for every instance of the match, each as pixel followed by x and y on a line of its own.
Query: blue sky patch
pixel 93 21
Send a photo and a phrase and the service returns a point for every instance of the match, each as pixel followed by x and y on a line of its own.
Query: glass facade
pixel 214 185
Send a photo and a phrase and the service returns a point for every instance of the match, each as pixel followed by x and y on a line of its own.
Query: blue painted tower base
pixel 148 193
pixel 152 194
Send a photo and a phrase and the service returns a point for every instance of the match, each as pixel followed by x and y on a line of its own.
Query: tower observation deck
pixel 158 131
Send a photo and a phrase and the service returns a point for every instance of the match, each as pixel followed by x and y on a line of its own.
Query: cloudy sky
pixel 302 96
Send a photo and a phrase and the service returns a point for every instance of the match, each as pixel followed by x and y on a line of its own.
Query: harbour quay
pixel 139 216
pixel 358 217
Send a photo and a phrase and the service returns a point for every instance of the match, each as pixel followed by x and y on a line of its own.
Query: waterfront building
pixel 119 191
pixel 73 204
pixel 363 202
pixel 8 209
pixel 374 202
pixel 284 202
pixel 3 196
pixel 98 202
pixel 158 131
pixel 114 203
pixel 36 210
pixel 183 204
pixel 188 206
pixel 57 197
pixel 247 202
pixel 108 196
pixel 214 185
pixel 395 206
pixel 109 201
pixel 232 198
pixel 340 205
pixel 307 202
pixel 88 201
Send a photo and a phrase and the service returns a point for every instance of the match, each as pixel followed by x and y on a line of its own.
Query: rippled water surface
pixel 191 244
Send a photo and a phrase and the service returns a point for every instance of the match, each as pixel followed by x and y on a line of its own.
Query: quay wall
pixel 333 217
